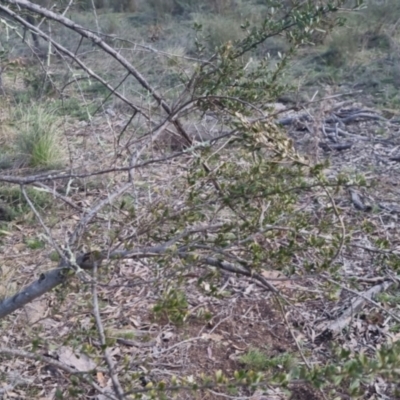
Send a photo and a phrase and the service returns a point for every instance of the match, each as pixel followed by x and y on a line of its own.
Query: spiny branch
pixel 88 261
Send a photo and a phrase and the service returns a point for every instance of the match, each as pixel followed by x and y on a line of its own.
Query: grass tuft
pixel 37 144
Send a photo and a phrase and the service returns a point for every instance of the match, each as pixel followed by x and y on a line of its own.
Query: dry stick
pixel 45 228
pixel 49 280
pixel 185 233
pixel 339 217
pixel 25 180
pixel 190 102
pixel 57 364
pixel 161 249
pixel 93 258
pixel 155 135
pixel 362 115
pixel 307 364
pixel 355 198
pixel 231 268
pixel 217 324
pixel 111 367
pixel 79 229
pixel 68 7
pixel 95 17
pixel 54 192
pixel 110 94
pixel 46 282
pixel 125 128
pixel 179 344
pixel 357 304
pixel 134 343
pixel 376 250
pixel 156 51
pixel 226 396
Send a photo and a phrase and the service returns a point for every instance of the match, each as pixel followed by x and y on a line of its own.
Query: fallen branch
pixel 358 204
pixel 88 261
pixel 356 305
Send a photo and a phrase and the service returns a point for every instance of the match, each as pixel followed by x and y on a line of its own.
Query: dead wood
pixel 356 305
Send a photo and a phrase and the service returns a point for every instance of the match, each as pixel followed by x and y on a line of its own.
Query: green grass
pixel 38 142
pixel 258 360
pixel 16 203
pixel 73 108
pixel 34 243
pixel 54 256
pixel 255 359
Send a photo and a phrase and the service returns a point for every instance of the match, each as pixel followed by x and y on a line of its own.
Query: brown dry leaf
pixel 209 353
pixel 206 286
pixel 272 275
pixel 35 311
pixel 101 379
pixel 81 363
pixel 19 247
pixel 395 338
pixel 212 336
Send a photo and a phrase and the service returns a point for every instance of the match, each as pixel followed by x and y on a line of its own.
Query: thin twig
pixel 100 329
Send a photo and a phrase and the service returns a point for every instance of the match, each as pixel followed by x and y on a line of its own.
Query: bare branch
pixel 89 261
pixel 60 48
pixel 44 284
pixel 111 366
pixel 99 42
pixel 92 213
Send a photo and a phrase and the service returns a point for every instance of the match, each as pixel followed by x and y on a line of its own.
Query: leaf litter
pixel 244 315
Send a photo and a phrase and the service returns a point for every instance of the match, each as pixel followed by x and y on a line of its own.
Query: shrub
pixel 173 305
